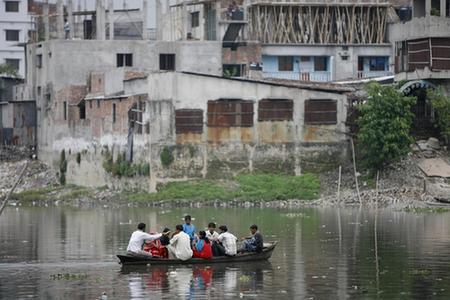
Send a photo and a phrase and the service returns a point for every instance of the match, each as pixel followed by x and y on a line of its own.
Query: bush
pixel 62 167
pixel 384 125
pixel 441 107
pixel 166 157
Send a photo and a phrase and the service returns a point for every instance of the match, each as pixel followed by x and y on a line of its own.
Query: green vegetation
pixel 68 192
pixel 123 168
pixel 166 157
pixel 62 167
pixel 422 210
pixel 6 69
pixel 441 106
pixel 246 187
pixel 384 126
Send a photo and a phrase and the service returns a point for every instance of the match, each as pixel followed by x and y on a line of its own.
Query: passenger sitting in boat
pixel 189 228
pixel 202 246
pixel 255 242
pixel 227 241
pixel 180 245
pixel 158 247
pixel 213 237
pixel 138 238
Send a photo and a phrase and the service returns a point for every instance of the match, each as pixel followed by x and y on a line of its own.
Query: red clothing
pixel 156 249
pixel 206 252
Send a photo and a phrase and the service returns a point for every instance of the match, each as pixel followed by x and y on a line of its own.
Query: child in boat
pixel 189 228
pixel 202 246
pixel 157 247
pixel 213 237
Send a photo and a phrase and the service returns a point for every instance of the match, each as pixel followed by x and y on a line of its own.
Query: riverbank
pixel 399 186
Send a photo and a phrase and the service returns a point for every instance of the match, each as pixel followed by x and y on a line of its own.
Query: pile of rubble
pixel 37 176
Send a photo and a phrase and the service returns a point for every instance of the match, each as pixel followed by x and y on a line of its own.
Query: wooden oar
pixel 14 187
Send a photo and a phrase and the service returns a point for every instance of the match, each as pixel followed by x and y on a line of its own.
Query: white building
pixel 15 24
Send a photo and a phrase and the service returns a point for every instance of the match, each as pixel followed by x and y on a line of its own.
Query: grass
pixel 247 187
pixel 421 210
pixel 68 192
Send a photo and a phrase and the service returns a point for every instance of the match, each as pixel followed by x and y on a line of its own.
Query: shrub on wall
pixel 441 107
pixel 166 157
pixel 62 167
pixel 384 125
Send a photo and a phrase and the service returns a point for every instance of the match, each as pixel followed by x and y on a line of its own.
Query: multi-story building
pixel 15 24
pixel 422 54
pixel 302 40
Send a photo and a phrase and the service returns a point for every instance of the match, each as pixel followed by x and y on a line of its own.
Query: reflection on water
pixel 66 253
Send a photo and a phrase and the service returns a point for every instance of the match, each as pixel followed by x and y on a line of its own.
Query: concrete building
pixel 422 55
pixel 15 25
pixel 146 111
pixel 349 42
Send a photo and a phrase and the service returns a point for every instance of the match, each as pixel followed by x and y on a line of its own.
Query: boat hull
pixel 240 258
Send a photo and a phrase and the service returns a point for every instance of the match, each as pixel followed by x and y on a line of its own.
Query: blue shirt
pixel 189 230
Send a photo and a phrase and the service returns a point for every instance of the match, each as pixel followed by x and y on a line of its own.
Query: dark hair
pixel 187 217
pixel 166 230
pixel 141 226
pixel 223 228
pixel 179 227
pixel 254 227
pixel 202 236
pixel 212 225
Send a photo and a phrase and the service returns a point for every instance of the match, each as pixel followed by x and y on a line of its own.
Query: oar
pixel 13 188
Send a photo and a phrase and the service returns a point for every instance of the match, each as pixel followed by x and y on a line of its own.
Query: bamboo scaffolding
pixel 321 24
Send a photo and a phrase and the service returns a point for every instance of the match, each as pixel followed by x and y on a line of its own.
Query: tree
pixel 384 125
pixel 441 107
pixel 9 70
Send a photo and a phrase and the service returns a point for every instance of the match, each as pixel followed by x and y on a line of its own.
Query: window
pixel 195 19
pixel 320 63
pixel 65 110
pixel 230 113
pixel 14 63
pixel 377 64
pixel 82 107
pixel 39 61
pixel 11 6
pixel 98 103
pixel 320 112
pixel 12 35
pixel 189 121
pixel 285 63
pixel 124 60
pixel 233 70
pixel 167 62
pixel 114 113
pixel 275 110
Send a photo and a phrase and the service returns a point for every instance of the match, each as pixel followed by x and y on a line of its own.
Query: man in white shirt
pixel 138 239
pixel 180 245
pixel 228 242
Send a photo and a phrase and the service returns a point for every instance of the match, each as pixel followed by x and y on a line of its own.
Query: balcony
pixel 373 74
pixel 317 76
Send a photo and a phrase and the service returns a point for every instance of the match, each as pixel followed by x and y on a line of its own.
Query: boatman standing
pixel 138 239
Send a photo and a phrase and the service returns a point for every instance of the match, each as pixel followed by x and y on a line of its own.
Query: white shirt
pixel 212 236
pixel 138 238
pixel 228 241
pixel 181 243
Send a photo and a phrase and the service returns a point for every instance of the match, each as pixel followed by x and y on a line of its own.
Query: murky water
pixel 66 253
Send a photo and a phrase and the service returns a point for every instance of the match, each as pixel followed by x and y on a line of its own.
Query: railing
pixel 372 74
pixel 319 76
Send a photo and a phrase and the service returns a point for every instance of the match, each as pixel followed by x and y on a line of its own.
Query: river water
pixel 323 253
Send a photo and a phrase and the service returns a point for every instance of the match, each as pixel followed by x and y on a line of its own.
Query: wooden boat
pixel 266 253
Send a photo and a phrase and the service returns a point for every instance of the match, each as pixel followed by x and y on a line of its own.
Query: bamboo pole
pixel 13 188
pixel 339 185
pixel 354 170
